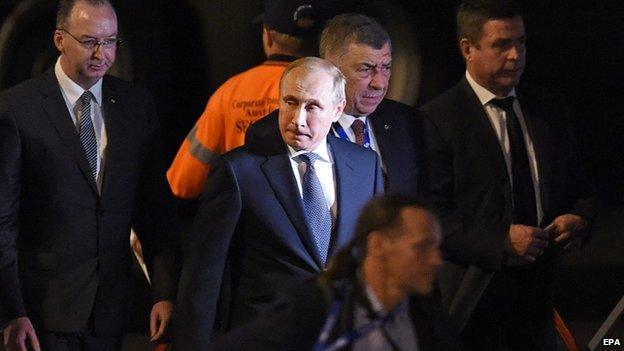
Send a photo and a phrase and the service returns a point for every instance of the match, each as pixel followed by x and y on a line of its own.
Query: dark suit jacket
pixel 471 189
pixel 297 324
pixel 399 131
pixel 64 248
pixel 252 214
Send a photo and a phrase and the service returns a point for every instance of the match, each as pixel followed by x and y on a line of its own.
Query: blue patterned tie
pixel 87 132
pixel 315 205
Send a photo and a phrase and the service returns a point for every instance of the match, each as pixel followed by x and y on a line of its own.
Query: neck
pixel 388 294
pixel 86 85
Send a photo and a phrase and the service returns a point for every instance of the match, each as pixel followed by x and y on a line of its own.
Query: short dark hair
pixel 348 28
pixel 65 8
pixel 473 14
pixel 382 214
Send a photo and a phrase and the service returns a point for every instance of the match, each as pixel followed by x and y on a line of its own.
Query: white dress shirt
pixel 324 166
pixel 345 122
pixel 71 94
pixel 498 120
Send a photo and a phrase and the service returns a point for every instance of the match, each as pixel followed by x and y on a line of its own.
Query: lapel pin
pixel 112 100
pixel 386 127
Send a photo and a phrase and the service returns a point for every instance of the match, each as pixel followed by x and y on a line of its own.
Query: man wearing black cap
pixel 289 31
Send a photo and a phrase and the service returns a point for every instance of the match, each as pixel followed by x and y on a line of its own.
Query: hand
pixel 160 319
pixel 16 333
pixel 526 242
pixel 568 228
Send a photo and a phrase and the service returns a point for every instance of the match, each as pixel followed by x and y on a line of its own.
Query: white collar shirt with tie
pixel 71 94
pixel 345 122
pixel 324 170
pixel 498 120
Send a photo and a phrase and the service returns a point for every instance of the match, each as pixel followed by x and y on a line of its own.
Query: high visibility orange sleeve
pixel 240 101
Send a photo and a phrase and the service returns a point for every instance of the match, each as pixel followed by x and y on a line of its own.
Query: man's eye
pixel 90 43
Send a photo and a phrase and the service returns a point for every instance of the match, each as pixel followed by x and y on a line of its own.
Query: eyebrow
pixel 368 64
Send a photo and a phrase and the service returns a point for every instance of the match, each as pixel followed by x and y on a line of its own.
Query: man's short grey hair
pixel 345 29
pixel 314 64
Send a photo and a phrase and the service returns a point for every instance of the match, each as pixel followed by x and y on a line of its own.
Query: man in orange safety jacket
pixel 289 31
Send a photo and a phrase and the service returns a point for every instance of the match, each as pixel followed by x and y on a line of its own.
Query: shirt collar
pixel 321 150
pixel 483 94
pixel 346 120
pixel 72 90
pixel 377 306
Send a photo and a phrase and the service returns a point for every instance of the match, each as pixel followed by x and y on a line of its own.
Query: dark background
pixel 182 50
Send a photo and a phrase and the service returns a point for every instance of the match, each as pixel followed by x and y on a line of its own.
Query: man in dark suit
pixel 385 274
pixel 79 165
pixel 361 48
pixel 508 185
pixel 273 211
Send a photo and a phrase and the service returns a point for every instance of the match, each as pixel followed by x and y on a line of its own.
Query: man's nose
pixel 299 117
pixel 378 80
pixel 98 51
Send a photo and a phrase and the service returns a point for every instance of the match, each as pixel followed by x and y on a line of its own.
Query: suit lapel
pixel 55 108
pixel 278 171
pixel 477 122
pixel 384 135
pixel 538 132
pixel 116 134
pixel 349 182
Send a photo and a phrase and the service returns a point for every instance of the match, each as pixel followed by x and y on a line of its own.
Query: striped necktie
pixel 87 132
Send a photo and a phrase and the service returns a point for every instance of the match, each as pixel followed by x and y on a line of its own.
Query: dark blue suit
pixel 251 223
pixel 400 133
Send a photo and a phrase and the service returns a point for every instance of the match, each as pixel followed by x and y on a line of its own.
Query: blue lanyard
pixel 351 335
pixel 342 134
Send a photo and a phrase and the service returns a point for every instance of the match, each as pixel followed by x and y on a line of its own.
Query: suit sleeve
pixel 419 136
pixel 153 214
pixel 11 302
pixel 581 192
pixel 478 240
pixel 205 252
pixel 379 180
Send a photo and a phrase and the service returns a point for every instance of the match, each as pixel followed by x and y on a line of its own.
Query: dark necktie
pixel 524 207
pixel 315 205
pixel 87 132
pixel 358 130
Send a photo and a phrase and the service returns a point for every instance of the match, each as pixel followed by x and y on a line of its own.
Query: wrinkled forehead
pixel 309 79
pixel 359 52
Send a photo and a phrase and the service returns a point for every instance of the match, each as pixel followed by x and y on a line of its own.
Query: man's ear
pixel 58 41
pixel 339 108
pixel 267 34
pixel 466 47
pixel 375 243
